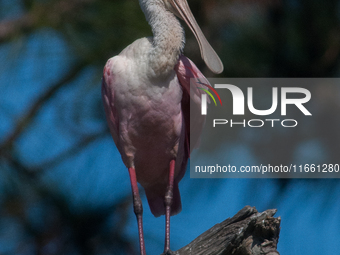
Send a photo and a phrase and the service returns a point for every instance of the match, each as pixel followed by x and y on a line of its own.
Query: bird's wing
pixel 191 100
pixel 108 100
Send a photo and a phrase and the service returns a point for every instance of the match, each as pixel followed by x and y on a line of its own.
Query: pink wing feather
pixel 187 70
pixel 108 99
pixel 191 100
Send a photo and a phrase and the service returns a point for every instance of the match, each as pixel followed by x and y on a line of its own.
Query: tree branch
pixel 27 118
pixel 41 15
pixel 247 233
pixel 73 150
pixel 11 28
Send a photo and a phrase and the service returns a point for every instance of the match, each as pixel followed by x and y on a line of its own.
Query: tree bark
pixel 247 233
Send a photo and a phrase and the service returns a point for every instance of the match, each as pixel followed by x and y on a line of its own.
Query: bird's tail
pixel 156 201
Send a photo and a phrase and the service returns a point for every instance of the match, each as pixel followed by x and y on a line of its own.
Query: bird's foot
pixel 169 252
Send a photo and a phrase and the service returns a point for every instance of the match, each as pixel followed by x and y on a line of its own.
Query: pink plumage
pixel 155 189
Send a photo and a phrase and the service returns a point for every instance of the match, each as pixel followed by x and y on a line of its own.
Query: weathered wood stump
pixel 247 233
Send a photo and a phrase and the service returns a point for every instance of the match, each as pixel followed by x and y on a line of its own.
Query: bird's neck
pixel 168 37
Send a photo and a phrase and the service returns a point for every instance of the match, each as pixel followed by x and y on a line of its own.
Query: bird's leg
pixel 138 208
pixel 168 202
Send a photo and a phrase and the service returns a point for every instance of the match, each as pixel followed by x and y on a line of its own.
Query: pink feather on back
pixel 191 101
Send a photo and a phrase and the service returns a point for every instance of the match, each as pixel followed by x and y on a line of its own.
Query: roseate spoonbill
pixel 146 96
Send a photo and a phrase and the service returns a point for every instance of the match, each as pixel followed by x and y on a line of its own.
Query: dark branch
pixel 28 117
pixel 36 171
pixel 41 15
pixel 73 150
pixel 12 28
pixel 247 233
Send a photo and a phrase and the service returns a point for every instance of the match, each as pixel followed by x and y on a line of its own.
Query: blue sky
pixel 95 177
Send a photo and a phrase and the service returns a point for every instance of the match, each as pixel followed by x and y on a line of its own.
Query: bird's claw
pixel 169 252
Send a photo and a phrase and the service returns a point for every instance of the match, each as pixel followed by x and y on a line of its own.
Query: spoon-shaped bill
pixel 207 52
